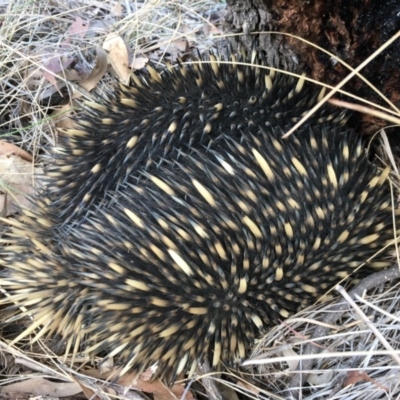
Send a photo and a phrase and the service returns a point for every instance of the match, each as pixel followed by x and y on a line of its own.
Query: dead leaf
pixel 92 395
pixel 97 73
pixel 190 34
pixel 291 354
pixel 156 387
pixel 33 80
pixel 53 65
pixel 43 387
pixel 321 378
pixel 101 27
pixel 212 30
pixel 116 9
pixel 79 28
pixel 226 391
pixel 248 387
pixel 142 382
pixel 16 177
pixel 56 63
pixel 106 366
pixel 12 149
pixel 354 377
pixel 62 118
pixel 139 63
pixel 118 56
pixel 72 75
pixel 176 49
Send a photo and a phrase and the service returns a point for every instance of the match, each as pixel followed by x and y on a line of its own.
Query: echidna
pixel 179 224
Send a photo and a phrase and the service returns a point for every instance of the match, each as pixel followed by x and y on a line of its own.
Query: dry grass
pixel 36 38
pixel 356 360
pixel 33 88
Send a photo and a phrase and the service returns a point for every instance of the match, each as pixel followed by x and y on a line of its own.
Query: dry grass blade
pixel 365 110
pixel 342 83
pixel 347 346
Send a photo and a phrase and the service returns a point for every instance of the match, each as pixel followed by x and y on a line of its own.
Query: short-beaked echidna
pixel 179 224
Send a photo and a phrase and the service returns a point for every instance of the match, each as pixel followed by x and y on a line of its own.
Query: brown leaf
pixel 42 387
pixel 62 119
pixel 354 377
pixel 16 175
pixel 79 27
pixel 156 387
pixel 176 49
pixel 10 148
pixel 248 387
pixel 226 391
pixel 139 63
pixel 210 29
pixel 92 395
pixel 142 382
pixel 118 56
pixel 97 73
pixel 53 64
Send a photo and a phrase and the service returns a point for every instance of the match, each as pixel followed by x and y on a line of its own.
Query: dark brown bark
pixel 351 30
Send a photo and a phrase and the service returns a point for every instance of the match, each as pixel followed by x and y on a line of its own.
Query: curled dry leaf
pixel 63 118
pixel 54 64
pixel 97 73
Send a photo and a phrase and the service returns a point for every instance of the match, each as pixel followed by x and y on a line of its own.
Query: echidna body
pixel 182 108
pixel 185 224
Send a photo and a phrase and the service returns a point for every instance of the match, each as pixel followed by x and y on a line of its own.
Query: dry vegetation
pixel 53 54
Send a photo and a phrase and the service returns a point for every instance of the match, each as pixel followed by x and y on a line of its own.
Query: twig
pixel 367 283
